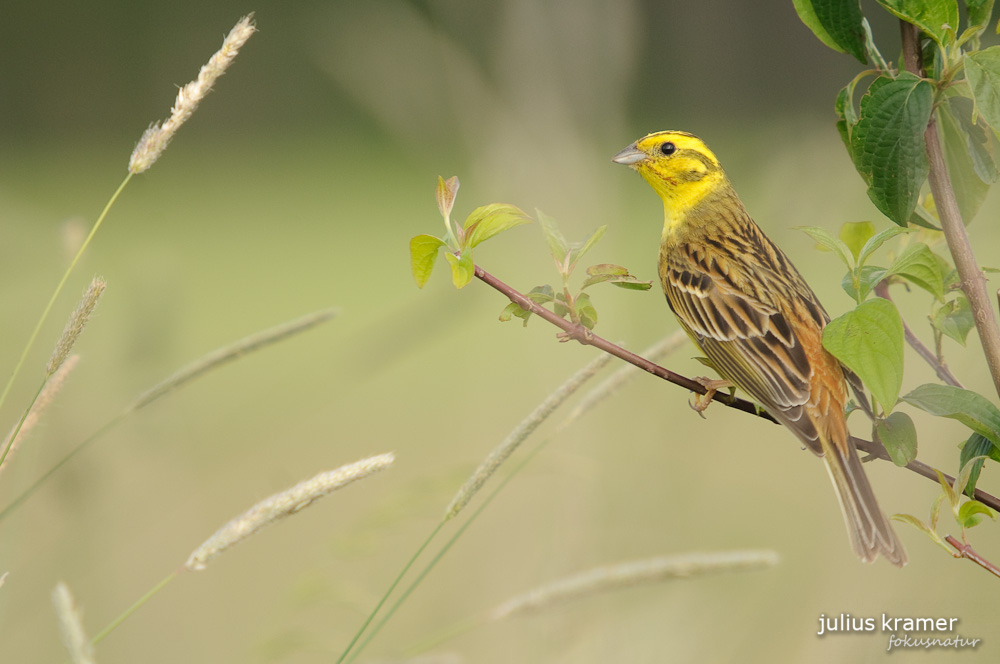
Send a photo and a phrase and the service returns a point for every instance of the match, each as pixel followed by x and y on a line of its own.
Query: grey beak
pixel 629 156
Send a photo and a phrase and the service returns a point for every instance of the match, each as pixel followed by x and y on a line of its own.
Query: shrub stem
pixel 972 279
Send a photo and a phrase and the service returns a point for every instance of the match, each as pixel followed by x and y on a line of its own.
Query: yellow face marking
pixel 681 169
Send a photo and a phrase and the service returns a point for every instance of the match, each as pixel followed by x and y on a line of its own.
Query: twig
pixel 586 337
pixel 929 356
pixel 972 279
pixel 966 551
pixel 920 468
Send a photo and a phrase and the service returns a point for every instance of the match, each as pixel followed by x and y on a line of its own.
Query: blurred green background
pixel 296 186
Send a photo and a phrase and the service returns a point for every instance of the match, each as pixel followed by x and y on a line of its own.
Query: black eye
pixel 668 148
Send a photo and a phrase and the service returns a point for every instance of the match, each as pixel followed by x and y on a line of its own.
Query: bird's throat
pixel 683 199
pixel 672 219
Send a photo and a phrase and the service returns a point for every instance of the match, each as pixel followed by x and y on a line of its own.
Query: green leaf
pixel 913 521
pixel 844 106
pixel 559 306
pixel 899 436
pixel 964 155
pixel 576 254
pixel 961 484
pixel 586 311
pixel 628 282
pixel 514 309
pixel 557 243
pixel 921 526
pixel 868 279
pixel 855 233
pixel 920 266
pixel 982 69
pixel 923 218
pixel 807 14
pixel 615 274
pixel 607 270
pixel 490 220
pixel 878 240
pixel 936 510
pixel 978 138
pixel 977 446
pixel 938 18
pixel 825 239
pixel 972 512
pixel 869 341
pixel 971 409
pixel 968 34
pixel 888 143
pixel 445 194
pixel 981 150
pixel 541 294
pixel 950 274
pixel 836 23
pixel 979 12
pixel 949 492
pixel 462 269
pixel 954 319
pixel 423 255
pixel 603 272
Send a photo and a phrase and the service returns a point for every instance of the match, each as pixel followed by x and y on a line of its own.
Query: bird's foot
pixel 702 401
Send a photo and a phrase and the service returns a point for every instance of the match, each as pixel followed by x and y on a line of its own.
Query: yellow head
pixel 679 166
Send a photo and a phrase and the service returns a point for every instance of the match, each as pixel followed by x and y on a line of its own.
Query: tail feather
pixel 870 531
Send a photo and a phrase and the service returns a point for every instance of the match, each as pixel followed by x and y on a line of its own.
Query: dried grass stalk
pixel 229 353
pixel 622 375
pixel 633 573
pixel 281 505
pixel 524 429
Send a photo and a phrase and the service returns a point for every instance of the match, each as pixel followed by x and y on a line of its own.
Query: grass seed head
pixel 520 433
pixel 77 321
pixel 45 397
pixel 632 573
pixel 281 505
pixel 154 140
pixel 71 626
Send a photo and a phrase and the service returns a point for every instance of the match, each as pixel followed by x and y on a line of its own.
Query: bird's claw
pixel 702 401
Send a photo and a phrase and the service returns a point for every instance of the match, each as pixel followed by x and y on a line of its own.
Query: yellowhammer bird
pixel 749 310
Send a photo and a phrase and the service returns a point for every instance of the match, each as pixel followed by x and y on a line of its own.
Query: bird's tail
pixel 870 531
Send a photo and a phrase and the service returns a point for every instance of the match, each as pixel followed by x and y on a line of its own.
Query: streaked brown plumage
pixel 749 310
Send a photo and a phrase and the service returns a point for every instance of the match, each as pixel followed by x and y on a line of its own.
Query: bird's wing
pixel 743 328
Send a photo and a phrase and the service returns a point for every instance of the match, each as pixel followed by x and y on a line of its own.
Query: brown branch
pixel 929 356
pixel 966 551
pixel 972 279
pixel 586 337
pixel 912 55
pixel 877 450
